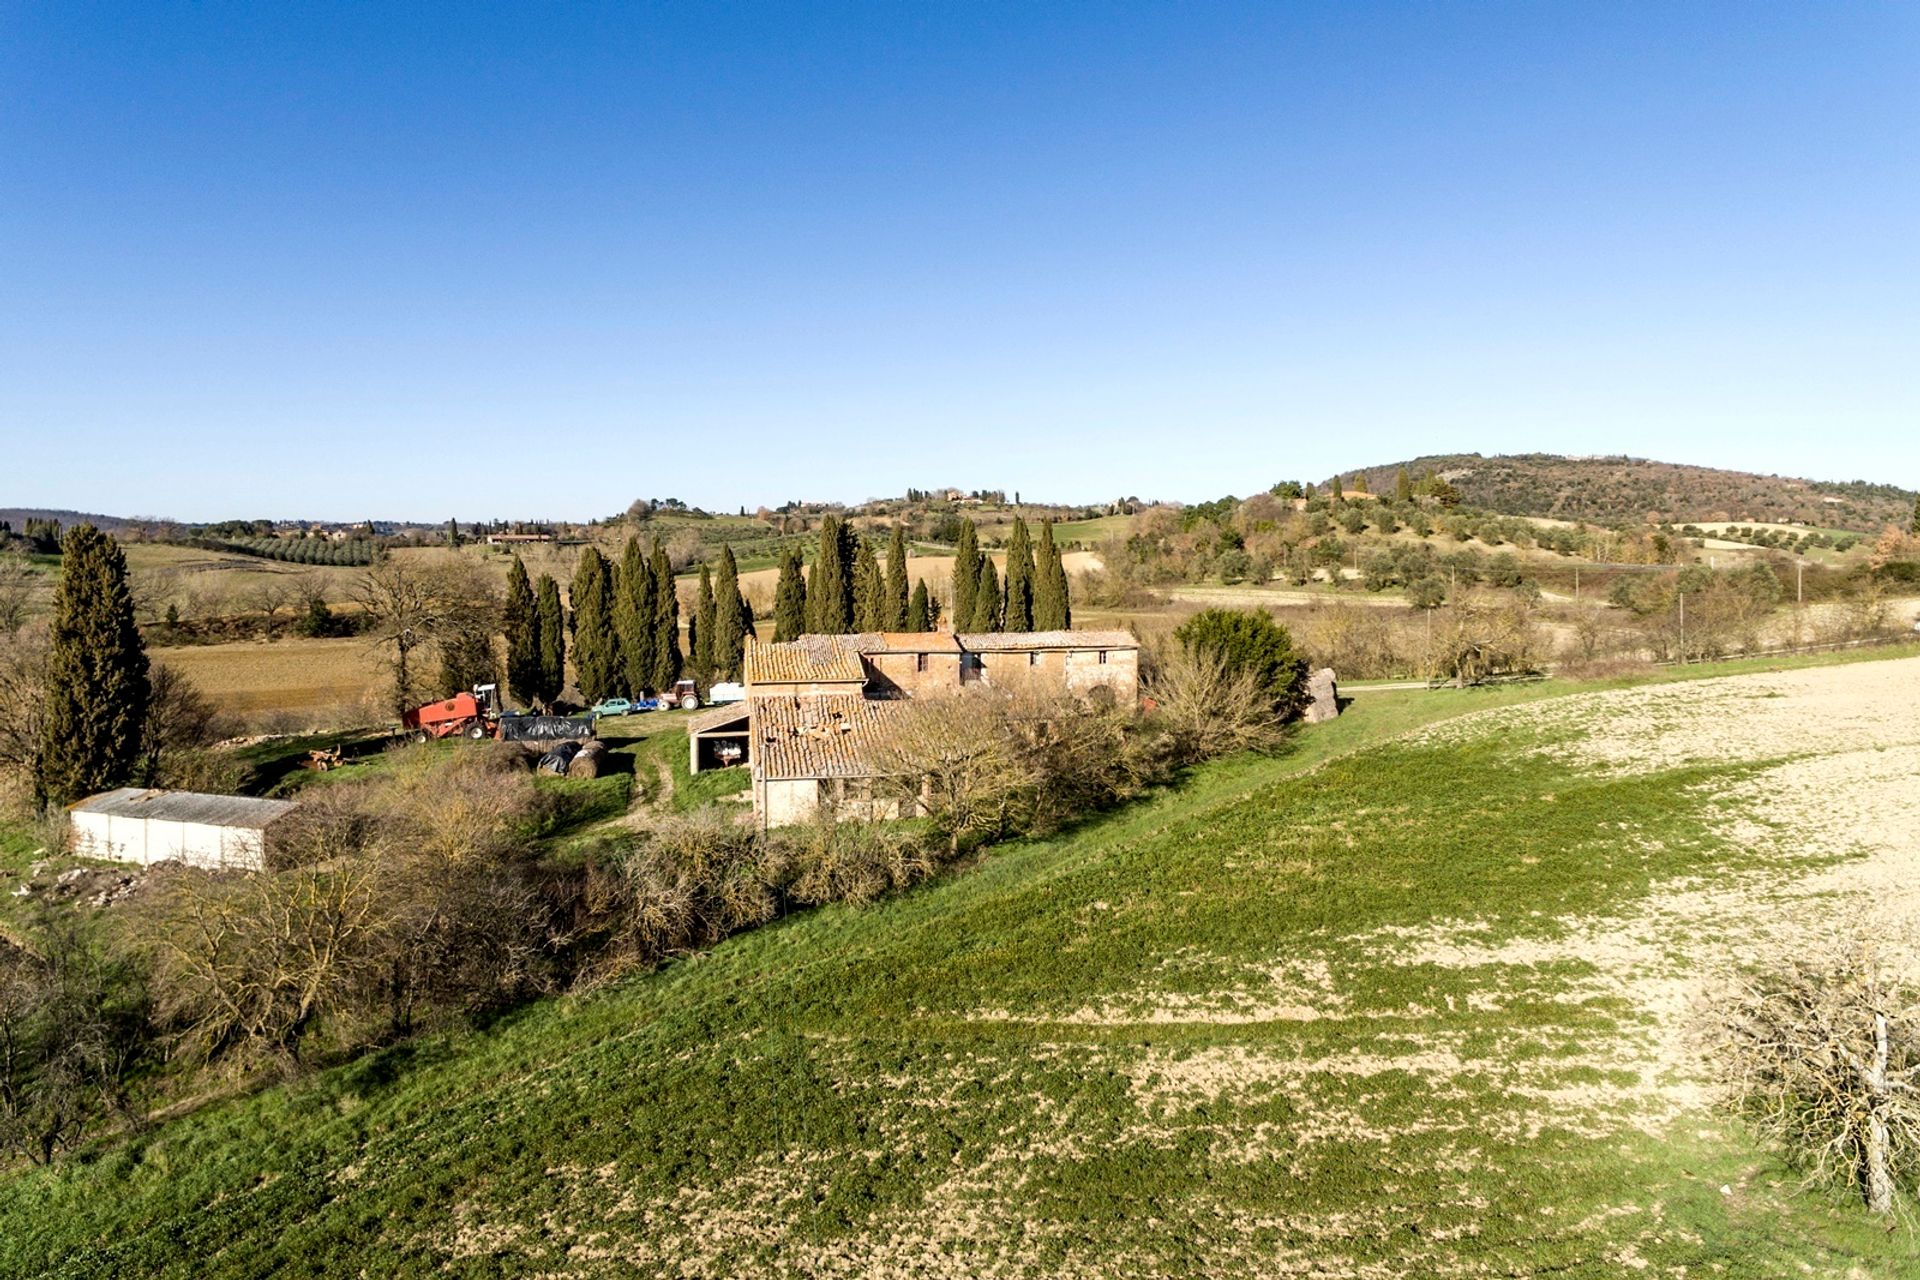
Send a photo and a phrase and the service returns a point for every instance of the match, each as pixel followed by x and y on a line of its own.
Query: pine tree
pixel 553 641
pixel 1403 487
pixel 830 592
pixel 790 599
pixel 700 632
pixel 666 621
pixel 633 608
pixel 521 622
pixel 869 590
pixel 97 686
pixel 987 600
pixel 1051 608
pixel 730 618
pixel 966 573
pixel 596 648
pixel 896 607
pixel 1019 606
pixel 917 608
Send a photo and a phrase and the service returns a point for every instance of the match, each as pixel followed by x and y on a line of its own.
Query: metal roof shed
pixel 144 826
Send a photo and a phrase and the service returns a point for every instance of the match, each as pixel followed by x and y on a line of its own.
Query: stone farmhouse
pixel 814 721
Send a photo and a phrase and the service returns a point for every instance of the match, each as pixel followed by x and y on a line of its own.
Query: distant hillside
pixel 1620 490
pixel 18 516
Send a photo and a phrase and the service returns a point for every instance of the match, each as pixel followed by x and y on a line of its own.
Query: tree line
pixel 845 589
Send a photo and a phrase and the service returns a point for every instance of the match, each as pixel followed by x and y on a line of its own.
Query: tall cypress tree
pixel 596 649
pixel 633 614
pixel 521 622
pixel 987 601
pixel 830 593
pixel 729 624
pixel 1019 606
pixel 917 619
pixel 553 640
pixel 666 620
pixel 97 686
pixel 700 633
pixel 966 573
pixel 1051 609
pixel 790 599
pixel 869 590
pixel 896 608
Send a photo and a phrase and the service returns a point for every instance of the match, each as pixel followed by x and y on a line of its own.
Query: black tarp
pixel 557 760
pixel 546 728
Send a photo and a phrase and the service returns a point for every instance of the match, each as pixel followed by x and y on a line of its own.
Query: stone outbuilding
pixel 144 826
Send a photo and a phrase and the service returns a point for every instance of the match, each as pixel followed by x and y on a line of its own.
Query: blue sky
pixel 543 259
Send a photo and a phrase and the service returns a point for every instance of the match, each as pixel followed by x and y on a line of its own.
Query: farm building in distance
pixel 815 717
pixel 137 825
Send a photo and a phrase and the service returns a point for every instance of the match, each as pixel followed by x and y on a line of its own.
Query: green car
pixel 616 707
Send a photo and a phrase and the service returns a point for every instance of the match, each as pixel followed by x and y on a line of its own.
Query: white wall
pixel 145 841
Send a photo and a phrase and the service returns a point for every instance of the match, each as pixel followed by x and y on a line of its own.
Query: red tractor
pixel 462 715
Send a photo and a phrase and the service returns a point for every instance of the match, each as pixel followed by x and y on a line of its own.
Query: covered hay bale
pixel 589 762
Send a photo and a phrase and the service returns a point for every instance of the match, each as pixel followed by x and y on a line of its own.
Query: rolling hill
pixel 1620 490
pixel 1403 1002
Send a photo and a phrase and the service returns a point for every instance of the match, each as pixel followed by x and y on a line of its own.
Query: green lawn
pixel 1189 1038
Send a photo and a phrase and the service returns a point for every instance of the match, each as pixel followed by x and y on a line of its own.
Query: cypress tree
pixel 1403 486
pixel 666 620
pixel 97 686
pixel 729 619
pixel 1051 609
pixel 987 601
pixel 1019 606
pixel 700 633
pixel 917 608
pixel 966 573
pixel 1914 526
pixel 869 590
pixel 896 609
pixel 521 622
pixel 790 599
pixel 830 593
pixel 596 651
pixel 552 620
pixel 633 617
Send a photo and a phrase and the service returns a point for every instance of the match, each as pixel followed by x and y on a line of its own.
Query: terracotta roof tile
pixel 810 659
pixel 834 735
pixel 1022 641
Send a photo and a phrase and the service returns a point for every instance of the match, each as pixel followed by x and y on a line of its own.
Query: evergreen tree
pixel 1018 611
pixel 633 616
pixel 666 621
pixel 966 573
pixel 700 632
pixel 453 534
pixel 521 622
pixel 1403 487
pixel 917 619
pixel 1051 608
pixel 896 606
pixel 1913 526
pixel 830 592
pixel 987 601
pixel 97 687
pixel 1338 496
pixel 790 599
pixel 553 641
pixel 731 619
pixel 869 590
pixel 596 648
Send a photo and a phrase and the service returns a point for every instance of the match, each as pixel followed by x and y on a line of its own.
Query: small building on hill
pixel 144 826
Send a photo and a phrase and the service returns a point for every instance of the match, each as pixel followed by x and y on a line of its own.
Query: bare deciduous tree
pixel 16 593
pixel 1207 710
pixel 23 696
pixel 1820 1050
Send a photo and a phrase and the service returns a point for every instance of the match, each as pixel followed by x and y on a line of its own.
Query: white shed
pixel 138 825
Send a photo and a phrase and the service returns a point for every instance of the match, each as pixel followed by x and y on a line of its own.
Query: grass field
pixel 1404 1000
pixel 293 674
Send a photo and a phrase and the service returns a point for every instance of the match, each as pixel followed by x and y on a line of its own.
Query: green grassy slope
pixel 1171 1042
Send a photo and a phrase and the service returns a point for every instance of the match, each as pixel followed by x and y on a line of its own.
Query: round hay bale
pixel 588 761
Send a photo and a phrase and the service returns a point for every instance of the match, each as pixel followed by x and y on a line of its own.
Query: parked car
pixel 617 707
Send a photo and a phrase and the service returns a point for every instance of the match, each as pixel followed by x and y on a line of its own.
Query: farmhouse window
pixel 1033 659
pixel 1103 656
pixel 919 662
